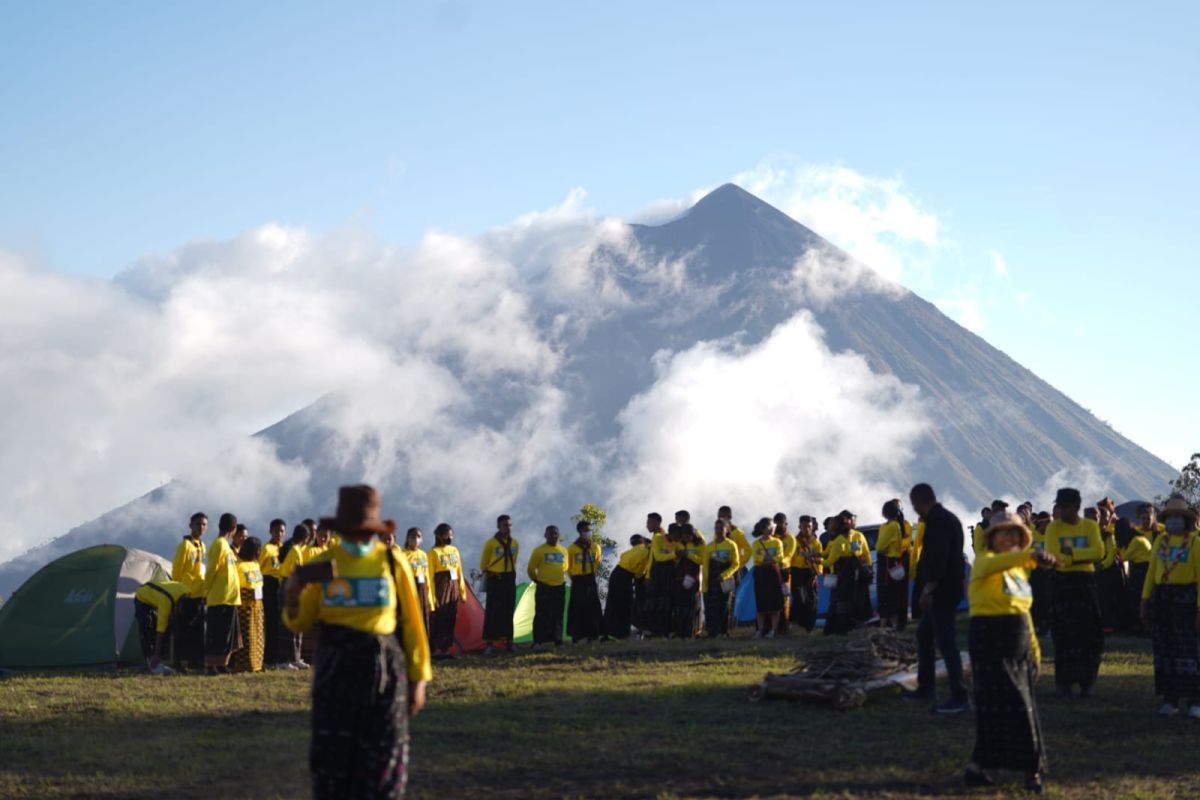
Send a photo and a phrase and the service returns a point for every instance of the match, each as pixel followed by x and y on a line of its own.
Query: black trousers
pixel 359 745
pixel 548 613
pixel 271 620
pixel 501 602
pixel 618 606
pixel 583 610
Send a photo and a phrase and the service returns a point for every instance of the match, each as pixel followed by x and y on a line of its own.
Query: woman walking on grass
pixel 1005 655
pixel 1170 608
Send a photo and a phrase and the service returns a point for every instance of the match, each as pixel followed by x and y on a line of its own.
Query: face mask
pixel 357 548
pixel 1176 524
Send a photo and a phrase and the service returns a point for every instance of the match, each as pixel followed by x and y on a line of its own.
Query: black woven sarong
pixel 618 606
pixel 548 613
pixel 1131 608
pixel 716 601
pixel 442 620
pixel 359 745
pixel 1110 587
pixel 1040 584
pixel 271 620
pixel 662 584
pixel 221 630
pixel 893 592
pixel 501 602
pixel 1176 651
pixel 768 591
pixel 583 609
pixel 189 631
pixel 1075 628
pixel 1008 730
pixel 804 599
pixel 841 617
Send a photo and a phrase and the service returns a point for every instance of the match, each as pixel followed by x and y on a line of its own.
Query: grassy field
pixel 649 719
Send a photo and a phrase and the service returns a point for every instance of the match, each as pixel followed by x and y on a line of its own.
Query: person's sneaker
pixel 162 669
pixel 916 696
pixel 1194 712
pixel 770 635
pixel 1168 710
pixel 953 707
pixel 974 778
pixel 288 666
pixel 302 664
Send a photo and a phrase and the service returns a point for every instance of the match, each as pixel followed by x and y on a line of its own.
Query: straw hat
pixel 1177 505
pixel 1003 520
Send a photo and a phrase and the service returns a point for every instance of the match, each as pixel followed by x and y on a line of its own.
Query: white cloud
pixel 999 263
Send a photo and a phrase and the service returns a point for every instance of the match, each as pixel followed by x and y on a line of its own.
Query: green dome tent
pixel 77 611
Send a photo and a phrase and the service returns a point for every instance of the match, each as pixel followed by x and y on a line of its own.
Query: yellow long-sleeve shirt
pixel 694 552
pixel 293 559
pixel 724 553
pixel 188 565
pixel 583 560
pixel 979 539
pixel 499 557
pixel 914 555
pixel 853 544
pixel 1175 561
pixel 1108 536
pixel 1139 550
pixel 636 560
pixel 789 547
pixel 364 596
pixel 446 558
pixel 662 548
pixel 548 564
pixel 738 536
pixel 269 560
pixel 162 604
pixel 767 548
pixel 1084 536
pixel 894 542
pixel 418 562
pixel 809 556
pixel 1000 586
pixel 221 579
pixel 250 578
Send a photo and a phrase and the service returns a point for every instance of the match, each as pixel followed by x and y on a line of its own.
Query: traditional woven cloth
pixel 893 592
pixel 189 631
pixel 250 618
pixel 1008 730
pixel 804 599
pixel 1075 628
pixel 1176 651
pixel 443 617
pixel 359 745
pixel 548 613
pixel 221 630
pixel 716 601
pixel 841 618
pixel 618 606
pixel 583 610
pixel 662 584
pixel 768 594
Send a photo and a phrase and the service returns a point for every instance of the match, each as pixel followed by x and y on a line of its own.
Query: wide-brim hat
pixel 1003 521
pixel 1178 506
pixel 358 510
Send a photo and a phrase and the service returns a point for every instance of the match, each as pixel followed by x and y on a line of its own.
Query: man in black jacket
pixel 939 589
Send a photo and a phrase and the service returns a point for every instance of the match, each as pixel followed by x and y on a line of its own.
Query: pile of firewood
pixel 846 672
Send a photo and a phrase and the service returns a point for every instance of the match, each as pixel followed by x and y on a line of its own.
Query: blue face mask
pixel 1175 524
pixel 357 548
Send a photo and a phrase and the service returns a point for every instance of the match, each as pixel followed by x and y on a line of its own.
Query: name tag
pixel 1176 554
pixel 356 593
pixel 1016 586
pixel 420 578
pixel 721 555
pixel 258 593
pixel 554 558
pixel 855 546
pixel 453 574
pixel 1076 542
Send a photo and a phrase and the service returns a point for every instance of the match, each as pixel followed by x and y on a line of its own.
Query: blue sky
pixel 1059 136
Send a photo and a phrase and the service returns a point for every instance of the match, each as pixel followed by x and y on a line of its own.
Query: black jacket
pixel 942 558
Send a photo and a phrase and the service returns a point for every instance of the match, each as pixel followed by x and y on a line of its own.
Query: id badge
pixel 453 574
pixel 421 578
pixel 258 593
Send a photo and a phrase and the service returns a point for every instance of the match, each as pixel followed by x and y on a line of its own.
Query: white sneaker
pixel 771 635
pixel 302 664
pixel 1168 710
pixel 758 635
pixel 1194 712
pixel 162 669
pixel 288 665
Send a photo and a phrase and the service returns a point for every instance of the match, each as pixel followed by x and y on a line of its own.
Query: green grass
pixel 649 719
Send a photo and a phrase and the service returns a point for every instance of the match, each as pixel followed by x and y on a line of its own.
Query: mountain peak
pixel 729 202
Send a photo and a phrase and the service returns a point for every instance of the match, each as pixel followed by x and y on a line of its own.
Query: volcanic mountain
pixel 732 269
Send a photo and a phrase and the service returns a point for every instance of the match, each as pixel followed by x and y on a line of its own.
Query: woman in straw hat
pixel 1005 655
pixel 372 658
pixel 1075 543
pixel 1170 593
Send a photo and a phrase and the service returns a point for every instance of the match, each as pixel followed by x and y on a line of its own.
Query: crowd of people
pixel 239 604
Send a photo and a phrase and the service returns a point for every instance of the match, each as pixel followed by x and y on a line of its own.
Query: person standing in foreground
pixel 583 609
pixel 188 569
pixel 498 563
pixel 269 563
pixel 939 589
pixel 1075 609
pixel 419 562
pixel 222 596
pixel 548 569
pixel 1005 656
pixel 631 568
pixel 372 659
pixel 1170 592
pixel 449 588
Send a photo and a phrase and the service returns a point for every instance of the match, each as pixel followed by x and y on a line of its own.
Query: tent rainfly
pixel 77 611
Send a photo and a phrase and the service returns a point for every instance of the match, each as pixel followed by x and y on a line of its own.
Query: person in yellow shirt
pixel 738 537
pixel 250 613
pixel 847 567
pixel 894 546
pixel 662 576
pixel 222 596
pixel 1170 591
pixel 1075 543
pixel 372 661
pixel 188 568
pixel 270 564
pixel 789 549
pixel 155 607
pixel 498 563
pixel 1005 655
pixel 449 589
pixel 1135 545
pixel 914 559
pixel 289 655
pixel 419 562
pixel 689 561
pixel 632 567
pixel 805 567
pixel 1040 580
pixel 583 607
pixel 769 588
pixel 1110 572
pixel 721 563
pixel 548 570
